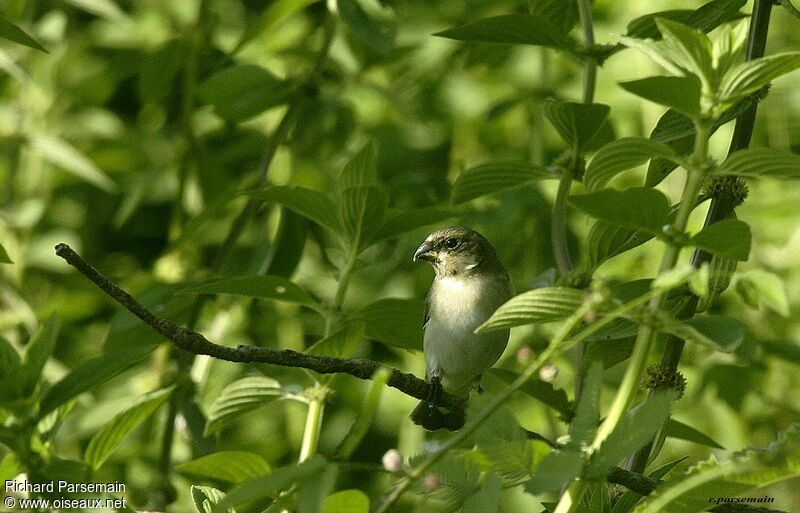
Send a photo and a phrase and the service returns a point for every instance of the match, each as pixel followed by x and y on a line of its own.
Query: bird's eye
pixel 451 243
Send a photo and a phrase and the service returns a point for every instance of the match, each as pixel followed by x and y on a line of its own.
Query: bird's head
pixel 457 250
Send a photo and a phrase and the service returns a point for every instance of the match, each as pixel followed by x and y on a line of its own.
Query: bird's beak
pixel 425 252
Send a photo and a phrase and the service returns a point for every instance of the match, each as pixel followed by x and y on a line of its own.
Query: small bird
pixel 470 284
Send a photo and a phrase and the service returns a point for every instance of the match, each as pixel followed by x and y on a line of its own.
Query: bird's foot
pixel 434 393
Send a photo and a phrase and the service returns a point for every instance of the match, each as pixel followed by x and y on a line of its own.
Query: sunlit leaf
pixel 752 75
pixel 729 238
pixel 762 162
pixel 679 93
pixel 493 177
pixel 311 204
pixel 620 155
pixel 205 497
pixel 768 289
pixel 243 91
pixel 229 466
pixel 346 501
pixel 688 48
pixel 62 154
pixel 535 306
pixel 109 437
pixel 639 208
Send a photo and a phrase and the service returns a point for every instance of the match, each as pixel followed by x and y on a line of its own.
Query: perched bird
pixel 469 285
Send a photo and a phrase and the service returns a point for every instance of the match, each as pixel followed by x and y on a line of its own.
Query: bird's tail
pixel 432 418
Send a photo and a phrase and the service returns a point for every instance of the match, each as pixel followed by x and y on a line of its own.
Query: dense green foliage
pixel 262 172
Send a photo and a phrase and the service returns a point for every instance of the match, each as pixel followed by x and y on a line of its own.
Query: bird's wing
pixel 427 308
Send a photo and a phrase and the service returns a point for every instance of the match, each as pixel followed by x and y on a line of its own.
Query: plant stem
pixel 316 407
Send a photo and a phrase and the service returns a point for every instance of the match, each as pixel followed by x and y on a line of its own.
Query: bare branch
pixel 193 342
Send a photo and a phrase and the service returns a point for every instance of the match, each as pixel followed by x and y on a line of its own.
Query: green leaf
pixel 205 497
pixel 13 33
pixel 106 9
pixel 271 15
pixel 750 76
pixel 768 288
pixel 397 223
pixel 535 306
pixel 89 375
pixel 577 123
pixel 525 29
pixel 561 15
pixel 346 501
pixel 620 155
pixel 635 430
pixel 10 362
pixel 587 413
pixel 62 154
pixel 341 344
pixel 360 170
pixel 493 177
pixel 397 322
pixel 369 410
pixel 271 485
pixel 729 238
pixel 539 390
pixel 639 208
pixel 266 287
pixel 240 397
pixel 679 93
pixel 288 244
pixel 681 431
pixel 690 49
pixel 487 498
pixel 374 24
pixel 607 240
pixel 109 437
pixel 361 213
pixel 243 91
pixel 4 258
pixel 313 205
pixel 655 51
pixel 608 352
pixel 706 18
pixel 228 466
pixel 714 331
pixel 761 162
pixel 37 352
pixel 159 71
pixel 555 470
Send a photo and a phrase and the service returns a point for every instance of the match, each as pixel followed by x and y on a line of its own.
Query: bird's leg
pixel 435 392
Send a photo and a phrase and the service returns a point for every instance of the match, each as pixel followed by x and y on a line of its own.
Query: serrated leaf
pixel 689 49
pixel 679 93
pixel 487 498
pixel 761 162
pixel 361 213
pixel 246 90
pixel 313 205
pixel 635 430
pixel 359 170
pixel 240 397
pixel 266 287
pixel 493 177
pixel 397 322
pixel 539 390
pixel 270 485
pixel 526 29
pixel 205 497
pixel 577 123
pixel 228 466
pixel 587 413
pixel 90 374
pixel 555 470
pixel 13 33
pixel 679 430
pixel 639 208
pixel 510 459
pixel 109 437
pixel 64 155
pixel 752 75
pixel 37 353
pixel 620 155
pixel 341 344
pixel 346 501
pixel 535 306
pixel 729 238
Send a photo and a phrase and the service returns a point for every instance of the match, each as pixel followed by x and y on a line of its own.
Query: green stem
pixel 311 433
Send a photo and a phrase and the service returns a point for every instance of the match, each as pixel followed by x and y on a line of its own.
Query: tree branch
pixel 195 343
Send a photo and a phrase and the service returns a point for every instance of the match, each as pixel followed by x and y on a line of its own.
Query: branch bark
pixel 195 343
